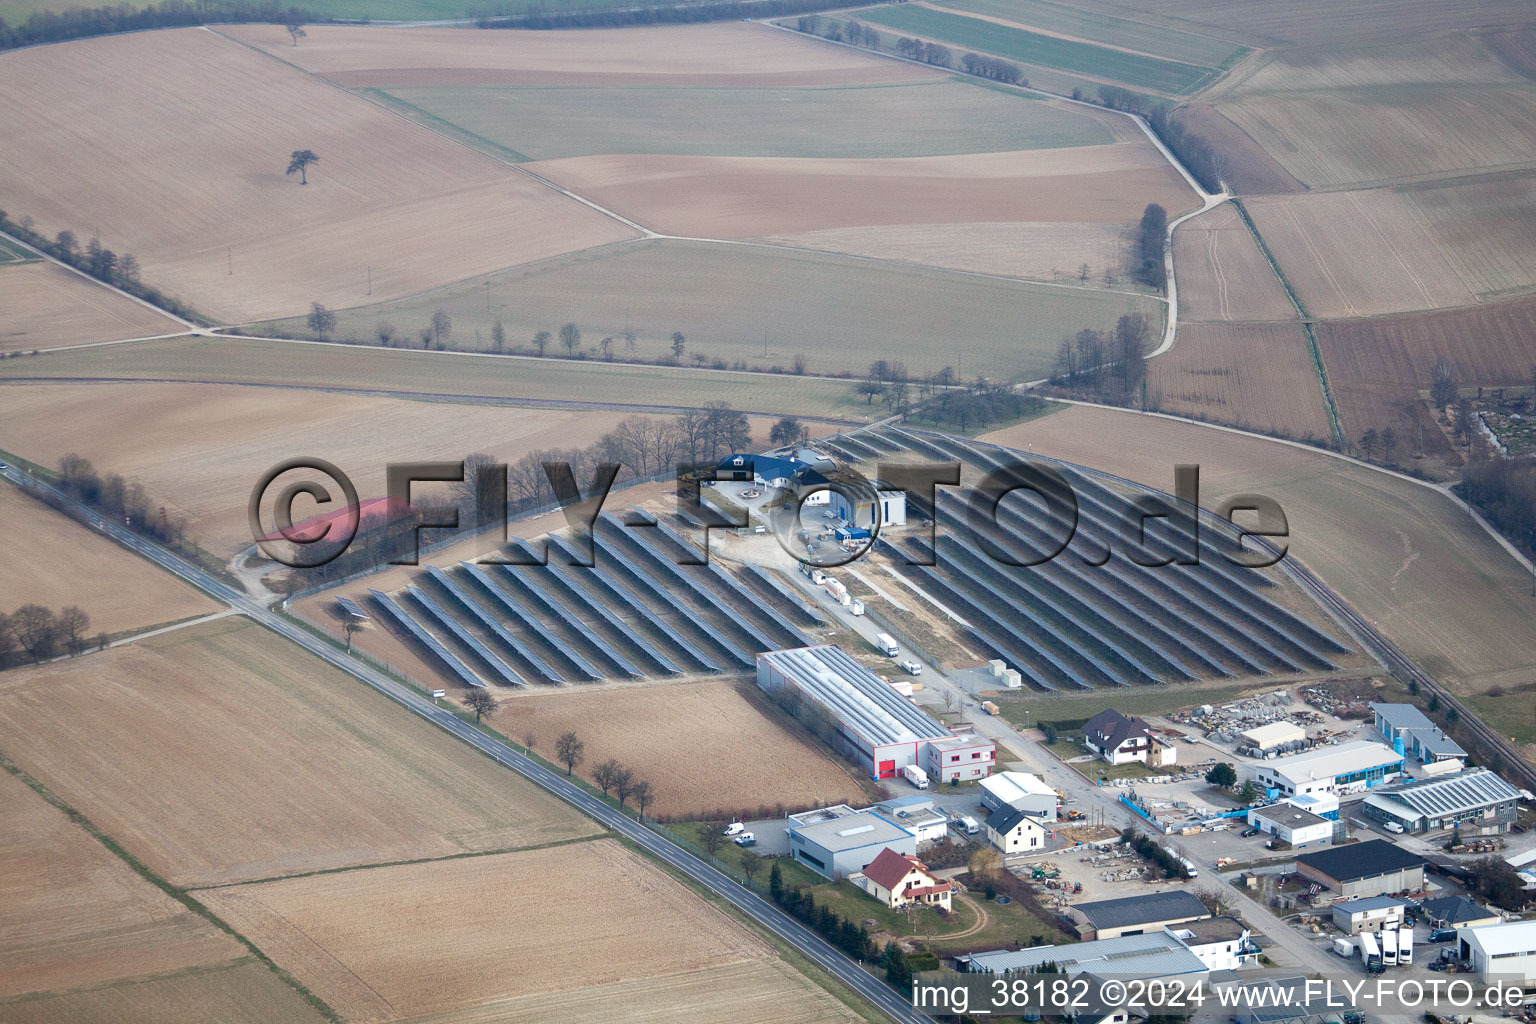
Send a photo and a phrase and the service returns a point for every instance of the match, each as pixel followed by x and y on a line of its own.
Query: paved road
pixel 765 913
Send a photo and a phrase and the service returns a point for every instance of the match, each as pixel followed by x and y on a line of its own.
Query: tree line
pixel 851 938
pixel 122 499
pixel 1151 238
pixel 118 270
pixel 1207 163
pixel 81 22
pixel 571 750
pixel 41 633
pixel 1110 364
pixel 615 17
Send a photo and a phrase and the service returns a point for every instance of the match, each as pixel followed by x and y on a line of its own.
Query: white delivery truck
pixel 1389 947
pixel 1344 947
pixel 1189 866
pixel 1405 945
pixel 969 824
pixel 916 776
pixel 857 608
pixel 887 645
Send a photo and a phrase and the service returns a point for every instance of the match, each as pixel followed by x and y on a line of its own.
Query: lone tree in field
pixel 321 320
pixel 300 163
pixel 569 750
pixel 480 702
pixel 296 30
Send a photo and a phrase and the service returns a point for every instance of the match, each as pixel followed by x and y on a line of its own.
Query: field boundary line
pixel 191 327
pixel 175 892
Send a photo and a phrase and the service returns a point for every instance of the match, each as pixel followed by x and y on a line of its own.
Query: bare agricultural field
pixel 1123 33
pixel 54 561
pixel 439 375
pixel 199 449
pixel 1379 366
pixel 711 54
pixel 1404 554
pixel 1222 274
pixel 1248 169
pixel 243 992
pixel 735 302
pixel 702 745
pixel 1427 107
pixel 46 306
pixel 392 207
pixel 1359 253
pixel 1255 376
pixel 745 198
pixel 423 939
pixel 73 915
pixel 200 751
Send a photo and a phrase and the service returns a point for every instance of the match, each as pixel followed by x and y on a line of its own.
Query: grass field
pixel 391 207
pixel 1378 366
pixel 72 915
pixel 198 449
pixel 1100 27
pixel 243 992
pixel 1160 700
pixel 1133 69
pixel 939 117
pixel 47 306
pixel 979 923
pixel 1222 274
pixel 1255 376
pixel 199 751
pixel 497 933
pixel 1411 110
pixel 1401 553
pixel 735 302
pixel 10 252
pixel 55 562
pixel 703 746
pixel 279 364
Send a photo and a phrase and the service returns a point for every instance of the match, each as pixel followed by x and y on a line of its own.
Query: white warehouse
pixel 1346 768
pixel 877 728
pixel 1503 952
pixel 1021 791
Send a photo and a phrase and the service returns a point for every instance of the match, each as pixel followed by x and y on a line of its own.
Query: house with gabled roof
pixel 1119 740
pixel 897 879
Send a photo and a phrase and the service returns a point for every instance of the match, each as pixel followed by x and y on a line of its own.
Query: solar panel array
pixel 465 637
pixel 525 651
pixel 522 579
pixel 351 607
pixel 426 639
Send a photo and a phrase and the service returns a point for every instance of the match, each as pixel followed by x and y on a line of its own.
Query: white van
pixel 1393 827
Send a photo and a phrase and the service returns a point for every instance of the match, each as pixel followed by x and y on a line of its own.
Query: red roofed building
pixel 370 514
pixel 897 879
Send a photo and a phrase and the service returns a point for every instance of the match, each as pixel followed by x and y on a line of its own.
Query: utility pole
pixel 229 251
pixel 370 279
pixel 487 296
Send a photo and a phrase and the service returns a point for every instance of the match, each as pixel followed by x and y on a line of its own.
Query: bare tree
pixel 623 784
pixel 442 327
pixel 1443 387
pixel 498 337
pixel 642 794
pixel 296 30
pixel 541 340
pixel 711 838
pixel 72 624
pixel 385 331
pixel 302 160
pixel 36 630
pixel 751 864
pixel 985 862
pixel 569 750
pixel 1388 442
pixel 8 643
pixel 570 337
pixel 1368 441
pixel 801 362
pixel 606 775
pixel 678 343
pixel 321 320
pixel 480 702
pixel 606 348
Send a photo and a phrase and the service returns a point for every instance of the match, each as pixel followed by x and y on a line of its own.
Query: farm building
pixel 1371 914
pixel 1295 825
pixel 1136 915
pixel 1476 800
pixel 1020 790
pixel 898 880
pixel 1372 868
pixel 1119 740
pixel 1410 732
pixel 1014 831
pixel 849 843
pixel 1273 735
pixel 876 728
pixel 1456 912
pixel 1154 955
pixel 1506 952
pixel 1221 943
pixel 1347 768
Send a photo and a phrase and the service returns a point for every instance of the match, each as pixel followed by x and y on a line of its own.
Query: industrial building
pixel 1014 831
pixel 1292 824
pixel 1347 768
pixel 1221 943
pixel 917 815
pixel 1456 912
pixel 1273 735
pixel 1503 952
pixel 1476 800
pixel 1022 791
pixel 1410 732
pixel 1372 868
pixel 848 843
pixel 1119 740
pixel 889 502
pixel 1154 955
pixel 1137 915
pixel 878 729
pixel 1371 914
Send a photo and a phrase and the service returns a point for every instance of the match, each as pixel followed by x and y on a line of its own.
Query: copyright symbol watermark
pixel 284 544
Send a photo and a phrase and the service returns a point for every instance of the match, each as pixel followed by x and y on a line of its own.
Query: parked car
pixel 745 839
pixel 735 828
pixel 1442 935
pixel 1249 833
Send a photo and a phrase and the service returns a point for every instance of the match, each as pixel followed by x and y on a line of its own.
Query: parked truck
pixel 1344 947
pixel 1405 945
pixel 887 645
pixel 916 776
pixel 991 708
pixel 1389 947
pixel 1370 952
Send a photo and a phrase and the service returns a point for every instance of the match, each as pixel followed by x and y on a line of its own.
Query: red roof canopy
pixel 371 513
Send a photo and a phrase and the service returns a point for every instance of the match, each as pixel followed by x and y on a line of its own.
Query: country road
pixel 748 902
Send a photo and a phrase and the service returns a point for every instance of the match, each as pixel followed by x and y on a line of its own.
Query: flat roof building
pixel 1371 914
pixel 1410 731
pixel 878 729
pixel 1221 943
pixel 1136 915
pixel 1372 868
pixel 1295 825
pixel 842 845
pixel 1476 800
pixel 1347 768
pixel 1021 790
pixel 1275 734
pixel 1154 955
